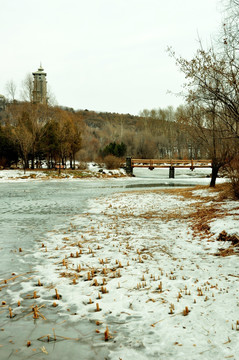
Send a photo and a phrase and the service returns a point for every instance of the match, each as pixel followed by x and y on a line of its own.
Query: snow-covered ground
pixel 92 170
pixel 146 265
pixel 158 177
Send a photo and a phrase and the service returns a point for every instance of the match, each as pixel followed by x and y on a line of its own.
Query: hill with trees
pixel 33 133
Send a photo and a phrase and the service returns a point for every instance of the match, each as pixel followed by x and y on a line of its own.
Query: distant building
pixel 2 103
pixel 39 93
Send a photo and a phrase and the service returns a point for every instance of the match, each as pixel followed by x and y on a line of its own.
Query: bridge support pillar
pixel 171 172
pixel 129 169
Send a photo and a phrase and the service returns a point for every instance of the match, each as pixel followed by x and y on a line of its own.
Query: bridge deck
pixel 166 163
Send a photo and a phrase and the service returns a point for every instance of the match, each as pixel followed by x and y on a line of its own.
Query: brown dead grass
pixel 231 250
pixel 199 214
pixel 222 192
pixel 201 218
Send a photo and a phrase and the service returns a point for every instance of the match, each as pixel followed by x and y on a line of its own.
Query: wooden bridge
pixel 151 164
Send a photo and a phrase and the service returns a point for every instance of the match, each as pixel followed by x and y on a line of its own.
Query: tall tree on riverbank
pixel 62 137
pixel 8 148
pixel 24 138
pixel 212 85
pixel 29 119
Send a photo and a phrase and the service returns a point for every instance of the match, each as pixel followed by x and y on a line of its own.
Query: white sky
pixel 104 55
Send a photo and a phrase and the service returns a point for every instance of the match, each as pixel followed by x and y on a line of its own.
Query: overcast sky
pixel 104 55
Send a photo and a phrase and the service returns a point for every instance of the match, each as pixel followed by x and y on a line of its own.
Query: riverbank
pixel 147 266
pixel 93 172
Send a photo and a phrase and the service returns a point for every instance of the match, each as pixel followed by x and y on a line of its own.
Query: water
pixel 28 210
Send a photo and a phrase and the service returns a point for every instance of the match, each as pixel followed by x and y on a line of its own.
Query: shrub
pixel 112 162
pixel 115 149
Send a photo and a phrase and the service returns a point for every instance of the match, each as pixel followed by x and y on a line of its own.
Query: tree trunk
pixel 59 169
pixel 214 176
pixel 25 164
pixel 33 160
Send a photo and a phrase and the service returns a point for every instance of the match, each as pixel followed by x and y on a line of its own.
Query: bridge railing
pixel 156 163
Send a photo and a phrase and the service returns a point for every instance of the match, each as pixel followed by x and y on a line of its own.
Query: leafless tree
pixel 213 85
pixel 11 89
pixel 27 88
pixel 51 99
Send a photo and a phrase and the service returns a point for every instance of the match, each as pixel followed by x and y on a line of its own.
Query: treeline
pixel 152 134
pixel 33 133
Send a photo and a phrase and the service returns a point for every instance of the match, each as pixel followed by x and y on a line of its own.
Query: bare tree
pixel 27 88
pixel 11 89
pixel 213 85
pixel 51 99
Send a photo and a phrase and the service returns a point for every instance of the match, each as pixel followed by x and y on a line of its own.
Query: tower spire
pixel 40 68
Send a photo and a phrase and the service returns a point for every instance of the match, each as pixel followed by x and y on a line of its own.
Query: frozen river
pixel 28 210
